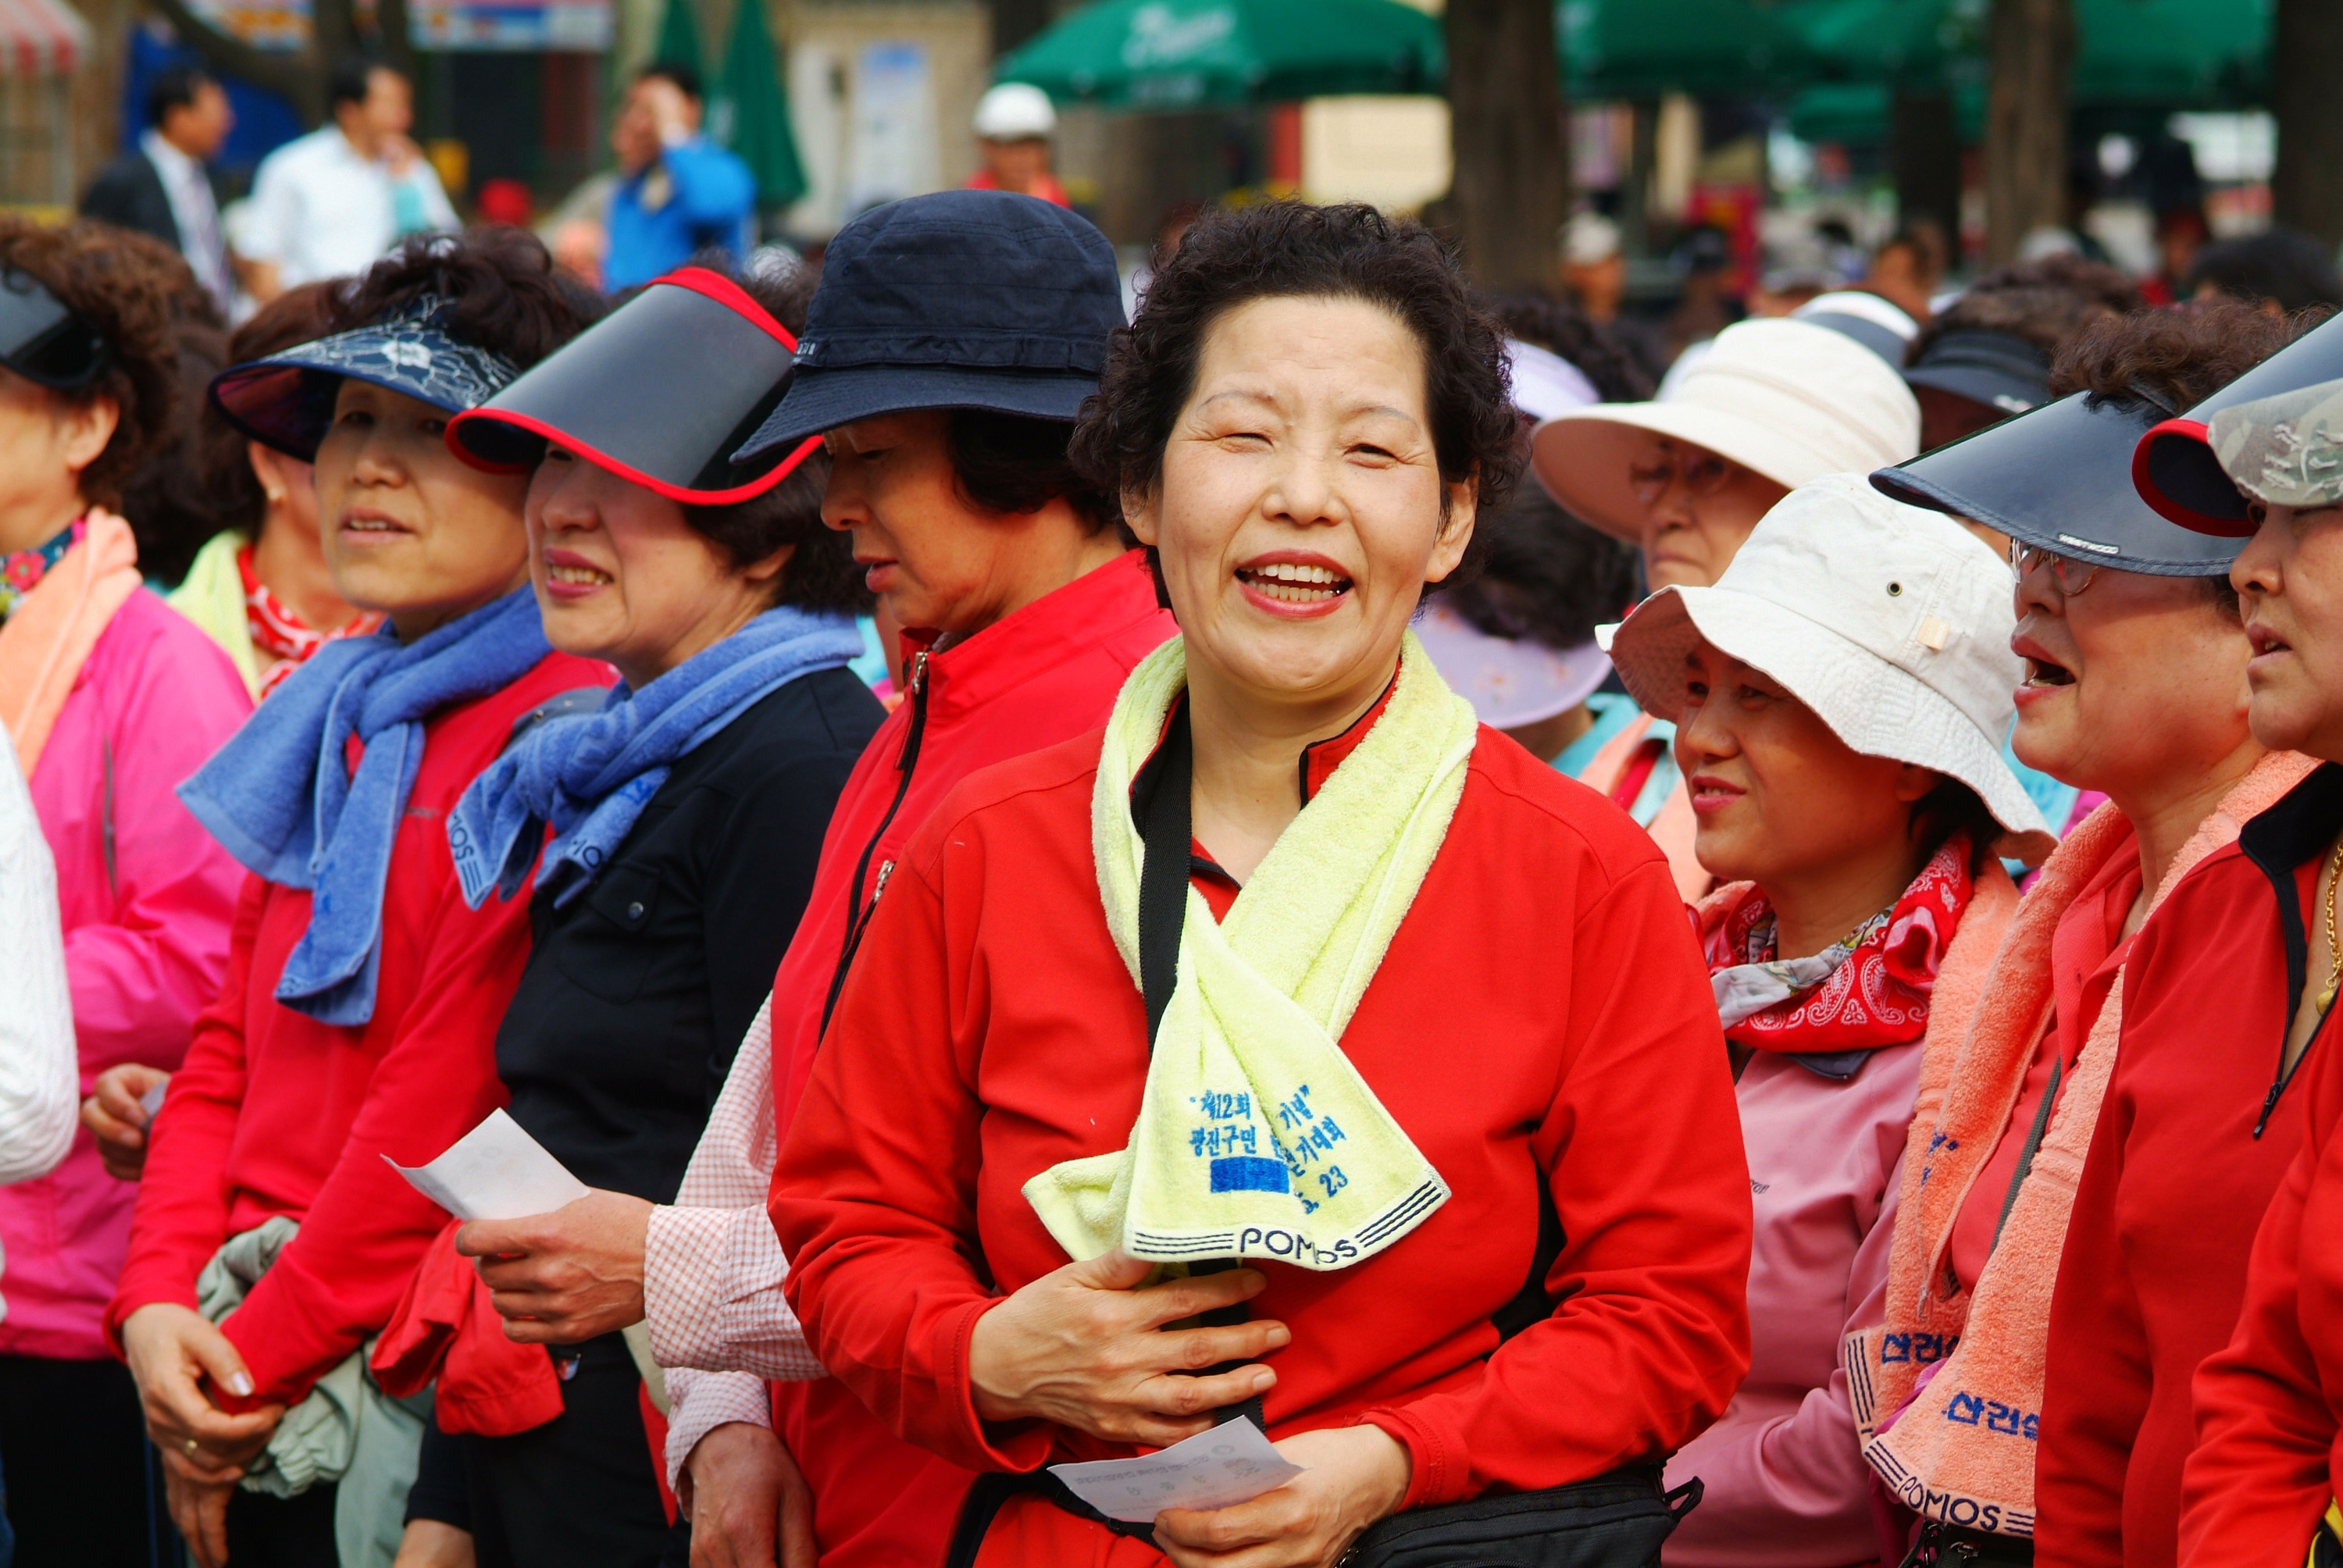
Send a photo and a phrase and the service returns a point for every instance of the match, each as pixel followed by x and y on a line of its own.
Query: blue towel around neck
pixel 591 774
pixel 281 798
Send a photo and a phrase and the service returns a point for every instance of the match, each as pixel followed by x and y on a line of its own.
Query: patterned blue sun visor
pixel 286 400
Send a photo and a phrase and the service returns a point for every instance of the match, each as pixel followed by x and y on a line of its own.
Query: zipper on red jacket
pixel 858 913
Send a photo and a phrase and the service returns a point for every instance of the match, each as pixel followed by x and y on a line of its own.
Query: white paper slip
pixel 495 1172
pixel 1229 1465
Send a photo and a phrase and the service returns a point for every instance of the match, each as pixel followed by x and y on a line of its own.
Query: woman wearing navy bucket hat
pixel 2133 687
pixel 688 808
pixel 945 353
pixel 270 1241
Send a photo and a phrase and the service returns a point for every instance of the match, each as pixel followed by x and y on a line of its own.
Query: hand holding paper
pixel 495 1172
pixel 1232 1463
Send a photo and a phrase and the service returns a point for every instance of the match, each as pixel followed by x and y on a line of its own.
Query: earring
pixel 275 495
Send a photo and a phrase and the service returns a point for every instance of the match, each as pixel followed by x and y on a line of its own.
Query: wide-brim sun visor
pixel 660 392
pixel 2174 466
pixel 2053 478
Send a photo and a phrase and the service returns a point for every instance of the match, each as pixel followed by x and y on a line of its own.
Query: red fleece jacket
pixel 1031 680
pixel 276 1113
pixel 1541 1015
pixel 2155 1265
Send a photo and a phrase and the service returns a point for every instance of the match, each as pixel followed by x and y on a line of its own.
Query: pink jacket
pixel 147 898
pixel 1788 1487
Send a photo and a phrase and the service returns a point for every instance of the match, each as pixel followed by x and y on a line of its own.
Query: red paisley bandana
pixel 276 631
pixel 1879 996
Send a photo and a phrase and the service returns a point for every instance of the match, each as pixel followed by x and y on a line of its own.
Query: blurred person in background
pixel 2281 270
pixel 1773 404
pixel 110 699
pixel 1014 123
pixel 358 1012
pixel 1852 795
pixel 678 192
pixel 2135 685
pixel 2180 233
pixel 1595 277
pixel 163 187
pixel 1987 354
pixel 1909 267
pixel 330 204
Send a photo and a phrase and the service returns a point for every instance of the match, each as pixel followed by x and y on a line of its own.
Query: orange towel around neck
pixel 1962 1453
pixel 48 639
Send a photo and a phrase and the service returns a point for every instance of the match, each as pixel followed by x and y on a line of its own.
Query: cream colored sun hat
pixel 1891 622
pixel 1789 399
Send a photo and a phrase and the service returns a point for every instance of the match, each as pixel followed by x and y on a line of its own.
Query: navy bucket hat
pixel 286 400
pixel 962 300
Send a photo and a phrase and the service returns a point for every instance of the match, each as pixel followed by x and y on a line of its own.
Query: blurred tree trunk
pixel 2305 60
pixel 1925 153
pixel 2032 47
pixel 1512 186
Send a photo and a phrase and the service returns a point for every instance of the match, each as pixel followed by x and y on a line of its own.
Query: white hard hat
pixel 1015 112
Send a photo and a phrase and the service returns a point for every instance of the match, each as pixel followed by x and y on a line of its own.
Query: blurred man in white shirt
pixel 335 201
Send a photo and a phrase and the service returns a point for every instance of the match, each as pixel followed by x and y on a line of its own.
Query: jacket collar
pixel 1052 630
pixel 2301 826
pixel 1319 759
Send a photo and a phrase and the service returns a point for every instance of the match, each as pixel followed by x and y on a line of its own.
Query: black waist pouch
pixel 1614 1521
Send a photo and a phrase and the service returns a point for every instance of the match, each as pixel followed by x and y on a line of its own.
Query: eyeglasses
pixel 2071 575
pixel 1652 476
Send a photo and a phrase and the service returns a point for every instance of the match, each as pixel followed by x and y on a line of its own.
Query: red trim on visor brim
pixel 731 296
pixel 2164 506
pixel 627 471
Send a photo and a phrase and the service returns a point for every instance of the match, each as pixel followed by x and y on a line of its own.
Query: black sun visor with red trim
pixel 662 392
pixel 2175 468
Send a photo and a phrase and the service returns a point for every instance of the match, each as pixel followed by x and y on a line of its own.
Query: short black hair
pixel 503 292
pixel 352 78
pixel 1563 329
pixel 1017 463
pixel 174 88
pixel 1543 576
pixel 821 572
pixel 1291 249
pixel 2280 264
pixel 685 79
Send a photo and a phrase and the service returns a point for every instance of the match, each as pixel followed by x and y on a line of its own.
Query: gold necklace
pixel 2334 943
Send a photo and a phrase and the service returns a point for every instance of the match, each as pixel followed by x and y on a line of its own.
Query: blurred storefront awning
pixel 41 38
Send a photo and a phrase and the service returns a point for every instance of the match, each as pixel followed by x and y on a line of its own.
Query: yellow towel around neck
pixel 1256 1137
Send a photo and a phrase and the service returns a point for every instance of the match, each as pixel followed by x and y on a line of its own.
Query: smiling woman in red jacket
pixel 1411 994
pixel 359 1015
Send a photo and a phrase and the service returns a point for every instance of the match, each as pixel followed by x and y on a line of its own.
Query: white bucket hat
pixel 1792 400
pixel 1891 622
pixel 1015 112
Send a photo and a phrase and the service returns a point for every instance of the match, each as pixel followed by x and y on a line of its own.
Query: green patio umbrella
pixel 1644 48
pixel 679 38
pixel 1207 54
pixel 749 109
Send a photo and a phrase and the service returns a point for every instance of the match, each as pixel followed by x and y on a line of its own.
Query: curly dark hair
pixel 1561 326
pixel 821 572
pixel 2045 302
pixel 2184 356
pixel 296 316
pixel 1291 249
pixel 1016 463
pixel 126 287
pixel 1543 574
pixel 504 295
pixel 2282 266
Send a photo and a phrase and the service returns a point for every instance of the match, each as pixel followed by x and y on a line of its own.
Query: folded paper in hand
pixel 1231 1463
pixel 495 1172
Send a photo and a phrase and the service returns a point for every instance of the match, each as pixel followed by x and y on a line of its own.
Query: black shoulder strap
pixel 1168 830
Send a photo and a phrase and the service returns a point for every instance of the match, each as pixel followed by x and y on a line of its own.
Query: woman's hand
pixel 1082 1347
pixel 747 1501
pixel 567 1276
pixel 170 1350
pixel 117 1116
pixel 198 1500
pixel 1355 1475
